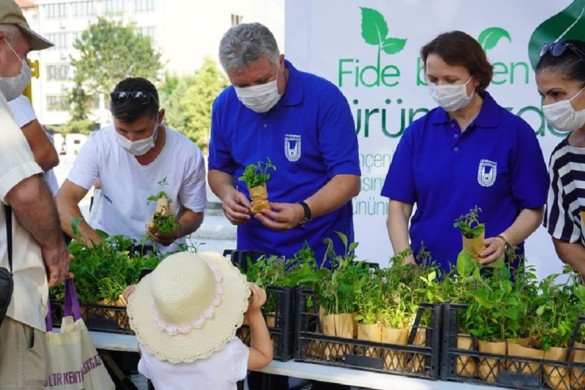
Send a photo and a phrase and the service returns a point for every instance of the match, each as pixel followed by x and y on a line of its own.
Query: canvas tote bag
pixel 73 362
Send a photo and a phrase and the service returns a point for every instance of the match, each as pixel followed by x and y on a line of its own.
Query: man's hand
pixel 281 216
pixel 236 207
pixel 165 239
pixel 57 263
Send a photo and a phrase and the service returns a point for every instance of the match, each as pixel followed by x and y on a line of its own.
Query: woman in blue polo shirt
pixel 467 152
pixel 560 76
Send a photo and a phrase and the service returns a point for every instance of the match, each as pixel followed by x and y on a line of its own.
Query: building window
pixel 144 5
pixel 75 36
pixel 147 31
pixel 57 72
pixel 59 39
pixel 236 19
pixel 56 11
pixel 83 8
pixel 114 6
pixel 57 103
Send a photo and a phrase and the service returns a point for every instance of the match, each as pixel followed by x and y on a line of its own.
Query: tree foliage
pixel 109 52
pixel 79 109
pixel 188 101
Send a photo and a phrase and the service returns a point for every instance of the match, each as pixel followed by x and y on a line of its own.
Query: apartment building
pixel 183 31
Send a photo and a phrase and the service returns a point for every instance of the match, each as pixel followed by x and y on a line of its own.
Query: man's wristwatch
pixel 308 215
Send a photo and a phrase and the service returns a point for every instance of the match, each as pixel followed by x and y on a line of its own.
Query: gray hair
pixel 246 43
pixel 9 31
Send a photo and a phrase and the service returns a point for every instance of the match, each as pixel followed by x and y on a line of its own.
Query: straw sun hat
pixel 189 307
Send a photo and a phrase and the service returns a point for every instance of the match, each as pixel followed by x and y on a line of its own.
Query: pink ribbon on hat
pixel 208 313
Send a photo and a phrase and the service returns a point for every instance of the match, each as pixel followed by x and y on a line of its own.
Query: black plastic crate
pixel 472 366
pixel 280 323
pixel 312 346
pixel 101 318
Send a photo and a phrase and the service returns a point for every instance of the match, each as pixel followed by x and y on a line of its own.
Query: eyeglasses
pixel 139 97
pixel 557 49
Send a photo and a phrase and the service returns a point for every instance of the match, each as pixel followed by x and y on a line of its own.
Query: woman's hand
pixel 495 249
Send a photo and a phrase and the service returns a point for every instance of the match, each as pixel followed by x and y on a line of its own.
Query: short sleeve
pixel 193 193
pixel 559 217
pixel 337 138
pixel 399 184
pixel 16 158
pixel 22 111
pixel 240 354
pixel 529 172
pixel 220 156
pixel 85 168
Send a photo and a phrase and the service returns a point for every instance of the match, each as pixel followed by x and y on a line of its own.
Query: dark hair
pixel 457 48
pixel 129 110
pixel 570 64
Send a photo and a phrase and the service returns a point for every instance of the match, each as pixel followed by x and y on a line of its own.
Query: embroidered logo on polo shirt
pixel 487 172
pixel 292 147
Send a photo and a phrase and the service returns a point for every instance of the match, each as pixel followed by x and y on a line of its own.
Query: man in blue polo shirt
pixel 304 125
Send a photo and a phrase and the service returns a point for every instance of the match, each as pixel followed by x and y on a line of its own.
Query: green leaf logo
pixel 567 24
pixel 375 32
pixel 489 38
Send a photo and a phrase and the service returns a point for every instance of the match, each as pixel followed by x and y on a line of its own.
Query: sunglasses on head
pixel 557 49
pixel 139 97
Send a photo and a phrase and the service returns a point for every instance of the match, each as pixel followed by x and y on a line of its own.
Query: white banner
pixel 370 50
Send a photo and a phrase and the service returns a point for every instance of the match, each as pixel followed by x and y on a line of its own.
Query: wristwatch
pixel 308 215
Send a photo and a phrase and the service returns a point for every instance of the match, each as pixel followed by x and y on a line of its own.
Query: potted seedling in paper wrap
pixel 164 219
pixel 255 176
pixel 472 232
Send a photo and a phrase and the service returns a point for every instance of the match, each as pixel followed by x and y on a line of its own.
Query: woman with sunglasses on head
pixel 560 76
pixel 467 152
pixel 134 159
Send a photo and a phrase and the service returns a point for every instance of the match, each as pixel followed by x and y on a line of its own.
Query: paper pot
pixel 489 368
pixel 259 197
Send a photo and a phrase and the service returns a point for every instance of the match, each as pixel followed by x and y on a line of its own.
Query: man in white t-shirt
pixel 40 142
pixel 130 159
pixel 39 254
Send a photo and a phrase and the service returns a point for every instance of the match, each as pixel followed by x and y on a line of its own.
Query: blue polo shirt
pixel 496 164
pixel 310 137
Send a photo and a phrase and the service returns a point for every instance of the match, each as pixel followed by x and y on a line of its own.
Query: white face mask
pixel 140 147
pixel 12 87
pixel 259 98
pixel 562 116
pixel 451 97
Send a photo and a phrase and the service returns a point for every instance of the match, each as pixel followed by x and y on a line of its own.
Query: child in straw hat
pixel 185 315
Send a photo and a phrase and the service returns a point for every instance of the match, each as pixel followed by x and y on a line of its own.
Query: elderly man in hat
pixel 34 243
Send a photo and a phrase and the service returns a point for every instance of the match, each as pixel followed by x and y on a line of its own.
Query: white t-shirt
pixel 221 371
pixel 23 113
pixel 30 294
pixel 126 184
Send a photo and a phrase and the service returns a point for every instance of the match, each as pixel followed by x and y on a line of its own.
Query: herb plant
pixel 257 174
pixel 469 224
pixel 164 219
pixel 102 271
